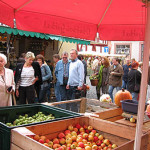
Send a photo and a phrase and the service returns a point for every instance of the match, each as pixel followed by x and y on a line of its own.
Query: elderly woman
pixel 7 85
pixel 46 77
pixel 26 76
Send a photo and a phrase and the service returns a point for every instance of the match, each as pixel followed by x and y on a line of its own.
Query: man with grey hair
pixel 75 80
pixel 62 74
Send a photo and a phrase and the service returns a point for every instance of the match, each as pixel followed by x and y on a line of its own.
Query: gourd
pixel 122 95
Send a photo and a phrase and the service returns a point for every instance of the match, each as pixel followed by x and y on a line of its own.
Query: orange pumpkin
pixel 122 95
pixel 148 109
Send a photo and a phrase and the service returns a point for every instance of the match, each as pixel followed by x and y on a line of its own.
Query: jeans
pixel 73 94
pixel 48 92
pixel 124 84
pixel 26 93
pixel 110 91
pixel 134 95
pixel 57 91
pixel 42 94
pixel 64 95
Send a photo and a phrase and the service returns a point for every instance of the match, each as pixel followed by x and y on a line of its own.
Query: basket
pixel 94 82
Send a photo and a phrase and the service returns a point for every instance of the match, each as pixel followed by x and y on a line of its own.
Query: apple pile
pixel 77 138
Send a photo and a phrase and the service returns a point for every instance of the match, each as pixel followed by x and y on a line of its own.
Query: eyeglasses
pixel 65 57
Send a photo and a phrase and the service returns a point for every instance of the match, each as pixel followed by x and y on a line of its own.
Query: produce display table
pixel 116 133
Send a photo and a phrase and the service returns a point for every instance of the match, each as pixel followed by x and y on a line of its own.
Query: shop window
pixel 123 49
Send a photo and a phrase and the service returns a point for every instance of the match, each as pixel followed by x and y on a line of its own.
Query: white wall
pixel 134 48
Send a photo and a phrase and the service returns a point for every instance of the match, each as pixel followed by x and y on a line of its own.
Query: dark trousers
pixel 42 95
pixel 26 93
pixel 74 94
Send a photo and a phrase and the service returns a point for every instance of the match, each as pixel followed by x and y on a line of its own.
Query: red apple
pixel 100 137
pixel 70 127
pixel 43 137
pixel 62 141
pixel 74 138
pixel 36 137
pixel 94 131
pixel 68 135
pixel 67 132
pixel 87 131
pixel 69 140
pixel 74 133
pixel 85 135
pixel 75 143
pixel 56 146
pixel 97 134
pixel 55 141
pixel 84 141
pixel 103 145
pixel 81 129
pixel 99 142
pixel 41 141
pixel 75 129
pixel 47 141
pixel 95 138
pixel 73 146
pixel 46 144
pixel 79 139
pixel 61 135
pixel 78 126
pixel 91 133
pixel 50 143
pixel 105 148
pixel 85 127
pixel 90 128
pixel 110 145
pixel 106 141
pixel 88 148
pixel 89 144
pixel 114 146
pixel 78 148
pixel 90 138
pixel 109 148
pixel 95 147
pixel 64 146
pixel 81 144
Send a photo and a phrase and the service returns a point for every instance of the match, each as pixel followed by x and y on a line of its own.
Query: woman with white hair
pixel 7 85
pixel 26 76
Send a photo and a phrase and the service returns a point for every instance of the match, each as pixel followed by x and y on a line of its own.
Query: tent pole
pixel 143 88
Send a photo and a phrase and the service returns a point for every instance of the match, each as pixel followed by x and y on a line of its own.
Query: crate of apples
pixel 77 138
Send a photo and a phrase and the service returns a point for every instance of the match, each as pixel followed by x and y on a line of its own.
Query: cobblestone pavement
pixel 91 94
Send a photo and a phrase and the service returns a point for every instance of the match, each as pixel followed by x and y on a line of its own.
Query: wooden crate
pixel 116 134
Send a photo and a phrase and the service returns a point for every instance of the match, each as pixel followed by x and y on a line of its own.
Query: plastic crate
pixel 9 114
pixel 130 106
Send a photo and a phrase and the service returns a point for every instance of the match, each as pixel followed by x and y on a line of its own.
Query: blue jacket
pixel 59 71
pixel 46 75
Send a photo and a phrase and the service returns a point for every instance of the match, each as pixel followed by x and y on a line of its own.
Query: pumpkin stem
pixel 122 89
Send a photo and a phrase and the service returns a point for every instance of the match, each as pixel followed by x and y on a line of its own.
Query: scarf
pixel 100 76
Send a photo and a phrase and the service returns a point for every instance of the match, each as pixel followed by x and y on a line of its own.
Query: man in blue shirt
pixel 62 74
pixel 76 79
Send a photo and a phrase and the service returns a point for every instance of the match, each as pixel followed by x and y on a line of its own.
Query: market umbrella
pixel 113 19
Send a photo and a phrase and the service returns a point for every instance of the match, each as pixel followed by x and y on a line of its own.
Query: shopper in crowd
pixel 21 59
pixel 140 68
pixel 126 69
pixel 56 58
pixel 134 80
pixel 27 77
pixel 46 77
pixel 75 80
pixel 7 84
pixel 95 64
pixel 62 74
pixel 115 77
pixel 80 57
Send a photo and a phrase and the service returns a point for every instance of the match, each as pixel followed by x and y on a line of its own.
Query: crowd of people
pixel 33 78
pixel 112 75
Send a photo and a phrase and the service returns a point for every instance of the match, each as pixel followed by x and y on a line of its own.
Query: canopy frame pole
pixel 23 5
pixel 144 82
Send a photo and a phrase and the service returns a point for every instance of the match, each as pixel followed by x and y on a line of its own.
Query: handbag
pixel 136 86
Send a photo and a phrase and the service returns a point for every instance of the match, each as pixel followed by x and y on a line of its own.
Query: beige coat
pixel 6 98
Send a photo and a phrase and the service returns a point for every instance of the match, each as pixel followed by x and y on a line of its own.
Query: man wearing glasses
pixel 62 74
